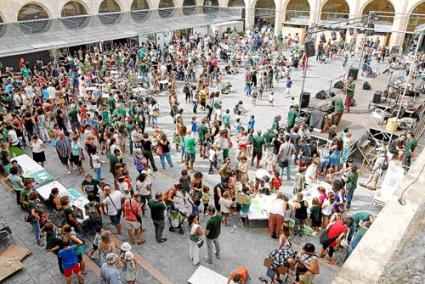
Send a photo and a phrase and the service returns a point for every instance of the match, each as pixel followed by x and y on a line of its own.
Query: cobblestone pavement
pixel 247 246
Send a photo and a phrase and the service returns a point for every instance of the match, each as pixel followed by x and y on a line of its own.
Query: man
pixel 90 185
pixel 248 82
pixel 114 160
pixel 202 131
pixel 292 115
pixel 212 232
pixel 338 105
pixel 112 203
pixel 190 149
pixel 380 166
pixel 240 275
pixel 268 138
pixel 351 185
pixel 409 151
pixel 333 237
pixel 147 151
pixel 349 93
pixel 73 118
pixel 284 156
pixel 397 146
pixel 257 148
pixel 63 148
pixel 359 218
pixel 158 207
pixel 132 216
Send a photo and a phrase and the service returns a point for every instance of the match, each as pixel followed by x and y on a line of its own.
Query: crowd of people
pixel 88 107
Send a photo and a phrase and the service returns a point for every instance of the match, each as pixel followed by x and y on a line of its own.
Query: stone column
pixel 249 17
pixel 278 17
pixel 314 12
pixel 400 24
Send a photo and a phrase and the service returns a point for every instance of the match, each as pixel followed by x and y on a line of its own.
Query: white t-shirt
pixel 311 171
pixel 278 207
pixel 52 92
pixel 96 161
pixel 224 205
pixel 13 137
pixel 326 208
pixel 36 147
pixel 113 203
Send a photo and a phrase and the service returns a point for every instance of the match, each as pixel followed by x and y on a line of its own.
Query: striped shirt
pixel 63 147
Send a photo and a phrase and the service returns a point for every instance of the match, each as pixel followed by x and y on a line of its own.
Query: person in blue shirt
pixel 251 124
pixel 70 262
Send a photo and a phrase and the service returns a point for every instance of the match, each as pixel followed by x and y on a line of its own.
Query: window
pixel 31 12
pixel 138 5
pixel 109 6
pixel 73 8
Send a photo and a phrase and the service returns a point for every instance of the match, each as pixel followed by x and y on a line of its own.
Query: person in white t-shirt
pixel 277 215
pixel 97 166
pixel 112 202
pixel 225 202
pixel 311 173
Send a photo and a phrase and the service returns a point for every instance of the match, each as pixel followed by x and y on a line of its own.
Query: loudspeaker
pixel 353 72
pixel 342 33
pixel 366 86
pixel 377 97
pixel 309 49
pixel 351 31
pixel 333 35
pixel 339 85
pixel 321 95
pixel 305 99
pixel 322 38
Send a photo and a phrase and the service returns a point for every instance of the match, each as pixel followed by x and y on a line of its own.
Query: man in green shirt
pixel 351 185
pixel 73 118
pixel 189 143
pixel 226 119
pixel 350 93
pixel 202 131
pixel 114 159
pixel 157 207
pixel 257 148
pixel 408 153
pixel 268 138
pixel 212 232
pixel 359 218
pixel 292 115
pixel 338 105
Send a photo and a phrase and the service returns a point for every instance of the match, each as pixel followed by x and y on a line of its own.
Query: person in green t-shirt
pixel 409 151
pixel 349 88
pixel 360 232
pixel 16 182
pixel 157 207
pixel 202 131
pixel 359 218
pixel 338 105
pixel 189 143
pixel 226 119
pixel 292 115
pixel 212 232
pixel 257 148
pixel 351 185
pixel 268 138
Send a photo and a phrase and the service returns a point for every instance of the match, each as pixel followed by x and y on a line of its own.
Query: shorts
pixel 190 157
pixel 64 160
pixel 115 220
pixel 133 225
pixel 68 272
pixel 259 155
pixel 76 160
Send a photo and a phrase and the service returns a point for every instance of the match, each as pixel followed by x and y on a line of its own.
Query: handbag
pixel 159 150
pixel 196 239
pixel 283 164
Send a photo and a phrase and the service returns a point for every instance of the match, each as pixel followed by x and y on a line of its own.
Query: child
pixel 226 119
pixel 271 98
pixel 130 268
pixel 276 182
pixel 251 124
pixel 315 215
pixel 238 126
pixel 212 157
pixel 254 97
pixel 97 166
pixel 269 165
pixel 70 261
pixel 260 92
pixel 330 177
pixel 185 181
pixel 194 127
pixel 299 182
pixel 245 205
pixel 96 241
pixel 288 87
pixel 206 198
pixel 225 203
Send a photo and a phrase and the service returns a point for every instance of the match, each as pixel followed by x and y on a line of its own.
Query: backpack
pixel 385 164
pixel 93 212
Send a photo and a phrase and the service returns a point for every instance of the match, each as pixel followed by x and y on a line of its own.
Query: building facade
pixel 394 17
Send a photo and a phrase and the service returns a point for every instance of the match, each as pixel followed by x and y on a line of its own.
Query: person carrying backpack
pixel 94 212
pixel 379 168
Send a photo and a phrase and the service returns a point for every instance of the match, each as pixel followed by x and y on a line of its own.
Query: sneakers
pixel 207 260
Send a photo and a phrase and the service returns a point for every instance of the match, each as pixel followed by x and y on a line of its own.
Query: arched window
pixel 109 6
pixel 335 10
pixel 297 10
pixel 33 15
pixel 31 12
pixel 384 10
pixel 73 8
pixel 417 17
pixel 167 6
pixel 236 3
pixel 189 7
pixel 139 5
pixel 210 2
pixel 265 11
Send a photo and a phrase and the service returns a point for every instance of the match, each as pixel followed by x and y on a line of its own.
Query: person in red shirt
pixel 276 182
pixel 132 215
pixel 240 275
pixel 331 237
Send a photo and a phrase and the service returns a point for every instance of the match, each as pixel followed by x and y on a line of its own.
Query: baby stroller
pixel 227 88
pixel 176 220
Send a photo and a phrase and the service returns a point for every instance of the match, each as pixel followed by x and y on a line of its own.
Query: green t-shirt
pixel 226 119
pixel 189 144
pixel 24 194
pixel 14 180
pixel 257 143
pixel 352 180
pixel 352 87
pixel 157 209
pixel 292 115
pixel 73 115
pixel 337 104
pixel 361 216
pixel 268 138
pixel 202 130
pixel 25 72
pixel 113 160
pixel 214 226
pixel 410 145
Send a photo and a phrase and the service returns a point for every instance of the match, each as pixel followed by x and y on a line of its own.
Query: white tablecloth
pixel 29 166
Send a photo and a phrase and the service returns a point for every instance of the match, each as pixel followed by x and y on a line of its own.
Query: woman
pixel 77 154
pixel 327 207
pixel 277 215
pixel 283 256
pixel 163 149
pixel 335 150
pixel 70 217
pixel 154 112
pixel 242 170
pixel 37 147
pixel 195 236
pixel 91 147
pixel 106 246
pixel 29 124
pixel 300 212
pixel 308 265
pixel 332 237
pixel 55 203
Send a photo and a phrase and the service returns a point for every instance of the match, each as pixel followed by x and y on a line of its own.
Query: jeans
pixel 98 172
pixel 154 120
pixel 159 228
pixel 149 156
pixel 194 252
pixel 248 89
pixel 299 226
pixel 210 248
pixel 350 193
pixel 166 156
pixel 288 171
pixel 37 231
pixel 44 136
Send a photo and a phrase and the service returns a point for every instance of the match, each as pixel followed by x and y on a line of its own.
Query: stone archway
pixel 334 10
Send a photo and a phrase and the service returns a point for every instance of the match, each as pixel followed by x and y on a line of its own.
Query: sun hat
pixel 128 255
pixel 126 246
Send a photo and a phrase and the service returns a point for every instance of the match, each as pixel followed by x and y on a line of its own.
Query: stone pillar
pixel 278 17
pixel 400 24
pixel 249 17
pixel 314 12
